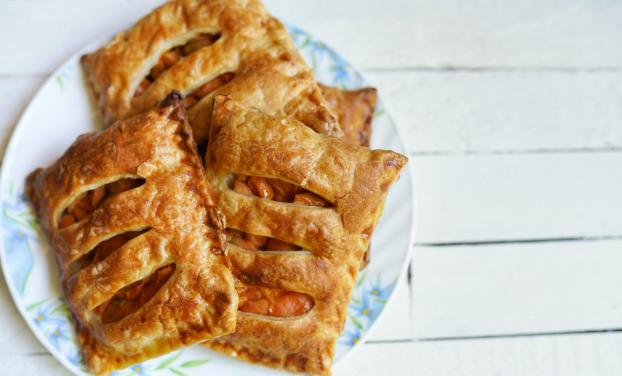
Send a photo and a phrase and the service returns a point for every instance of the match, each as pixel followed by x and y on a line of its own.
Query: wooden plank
pixel 566 355
pixel 374 35
pixel 455 33
pixel 509 289
pixel 501 197
pixel 464 112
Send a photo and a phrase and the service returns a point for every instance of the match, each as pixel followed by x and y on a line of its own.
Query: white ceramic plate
pixel 61 111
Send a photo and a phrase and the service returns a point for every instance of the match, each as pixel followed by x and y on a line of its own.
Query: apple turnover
pixel 138 240
pixel 202 48
pixel 300 209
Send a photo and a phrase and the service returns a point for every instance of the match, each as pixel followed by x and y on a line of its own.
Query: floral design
pixel 329 66
pixel 20 232
pixel 171 364
pixel 64 74
pixel 53 320
pixel 23 242
pixel 367 302
pixel 377 291
pixel 351 336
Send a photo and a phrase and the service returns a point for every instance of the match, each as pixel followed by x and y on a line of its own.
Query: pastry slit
pixel 288 270
pixel 207 88
pixel 273 302
pixel 87 202
pixel 277 190
pixel 104 249
pixel 132 297
pixel 174 55
pixel 258 242
pixel 133 261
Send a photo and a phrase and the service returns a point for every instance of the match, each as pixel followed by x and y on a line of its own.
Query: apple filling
pixel 134 296
pixel 273 302
pixel 277 190
pixel 175 55
pixel 89 201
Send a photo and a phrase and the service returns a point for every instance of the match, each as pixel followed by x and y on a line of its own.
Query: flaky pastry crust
pixel 353 179
pixel 270 75
pixel 179 225
pixel 355 111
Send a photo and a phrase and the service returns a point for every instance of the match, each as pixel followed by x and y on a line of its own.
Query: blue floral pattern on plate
pixel 20 231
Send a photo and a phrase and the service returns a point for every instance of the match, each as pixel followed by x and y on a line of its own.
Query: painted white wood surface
pixel 517 196
pixel 505 111
pixel 391 34
pixel 512 113
pixel 518 288
pixel 565 355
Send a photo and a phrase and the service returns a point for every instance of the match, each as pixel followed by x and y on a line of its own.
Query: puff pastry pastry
pixel 201 48
pixel 295 254
pixel 139 243
pixel 354 110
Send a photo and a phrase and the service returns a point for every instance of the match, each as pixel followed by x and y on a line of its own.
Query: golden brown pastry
pixel 355 111
pixel 295 252
pixel 139 243
pixel 204 47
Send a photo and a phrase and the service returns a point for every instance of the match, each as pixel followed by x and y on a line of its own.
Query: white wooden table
pixel 513 118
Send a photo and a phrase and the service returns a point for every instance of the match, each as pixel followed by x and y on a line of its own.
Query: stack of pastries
pixel 230 200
